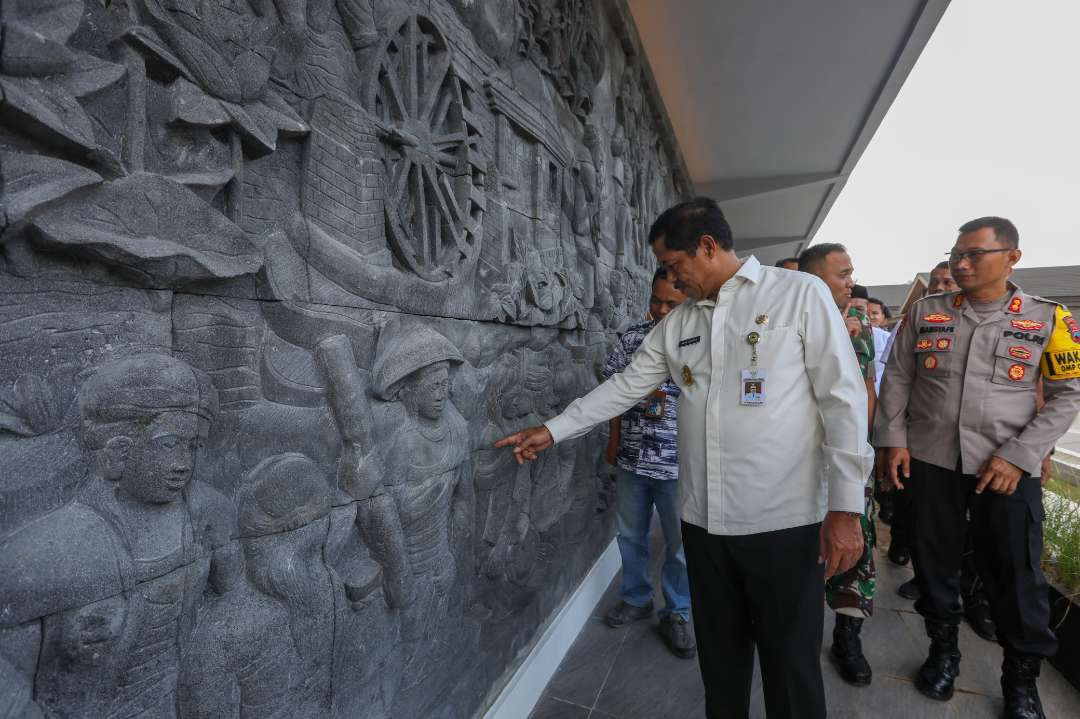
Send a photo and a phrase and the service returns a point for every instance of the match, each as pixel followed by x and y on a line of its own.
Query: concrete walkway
pixel 629 674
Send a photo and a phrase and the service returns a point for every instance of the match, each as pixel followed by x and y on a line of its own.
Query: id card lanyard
pixel 752 379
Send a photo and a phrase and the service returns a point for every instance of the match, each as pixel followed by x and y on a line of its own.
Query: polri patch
pixel 1018 352
pixel 937 317
pixel 1027 325
pixel 930 362
pixel 1017 372
pixel 689 341
pixel 943 344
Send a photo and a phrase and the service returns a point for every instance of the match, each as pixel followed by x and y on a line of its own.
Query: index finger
pixel 984 479
pixel 508 440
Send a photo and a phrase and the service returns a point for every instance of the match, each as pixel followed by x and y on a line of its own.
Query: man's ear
pixel 116 454
pixel 1014 256
pixel 708 243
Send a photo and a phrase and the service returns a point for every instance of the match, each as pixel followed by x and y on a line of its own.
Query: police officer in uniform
pixel 958 424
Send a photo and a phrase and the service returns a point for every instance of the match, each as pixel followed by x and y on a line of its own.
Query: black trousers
pixel 764 590
pixel 1006 538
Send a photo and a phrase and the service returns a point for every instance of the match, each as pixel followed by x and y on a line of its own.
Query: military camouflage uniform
pixel 852 592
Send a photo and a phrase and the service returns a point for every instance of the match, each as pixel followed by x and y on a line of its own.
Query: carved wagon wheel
pixel 434 191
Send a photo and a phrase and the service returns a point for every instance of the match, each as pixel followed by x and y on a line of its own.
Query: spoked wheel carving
pixel 434 200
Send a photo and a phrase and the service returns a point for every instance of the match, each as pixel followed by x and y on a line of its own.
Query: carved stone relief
pixel 274 274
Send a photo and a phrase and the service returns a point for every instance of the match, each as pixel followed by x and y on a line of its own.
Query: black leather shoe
pixel 676 634
pixel 909 590
pixel 622 614
pixel 846 652
pixel 1018 675
pixel 898 554
pixel 937 675
pixel 977 614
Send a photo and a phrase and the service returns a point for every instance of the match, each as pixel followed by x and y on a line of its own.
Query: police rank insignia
pixel 930 362
pixel 937 317
pixel 958 301
pixel 943 344
pixel 1017 372
pixel 1016 305
pixel 1027 325
pixel 924 344
pixel 1018 352
pixel 687 376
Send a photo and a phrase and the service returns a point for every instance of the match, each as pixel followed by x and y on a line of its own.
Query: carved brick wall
pixel 273 276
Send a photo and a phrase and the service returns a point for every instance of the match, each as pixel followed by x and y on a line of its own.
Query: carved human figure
pixel 418 493
pixel 107 586
pixel 264 647
pixel 503 490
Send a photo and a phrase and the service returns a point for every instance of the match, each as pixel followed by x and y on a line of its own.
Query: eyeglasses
pixel 974 255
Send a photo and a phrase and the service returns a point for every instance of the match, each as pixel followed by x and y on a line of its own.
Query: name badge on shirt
pixel 753 387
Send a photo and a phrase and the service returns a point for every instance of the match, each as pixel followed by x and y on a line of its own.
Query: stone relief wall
pixel 273 276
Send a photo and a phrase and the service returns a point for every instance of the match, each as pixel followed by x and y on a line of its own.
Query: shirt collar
pixel 749 271
pixel 1014 306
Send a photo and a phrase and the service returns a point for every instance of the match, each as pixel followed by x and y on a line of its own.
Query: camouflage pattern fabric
pixel 647 446
pixel 864 344
pixel 852 593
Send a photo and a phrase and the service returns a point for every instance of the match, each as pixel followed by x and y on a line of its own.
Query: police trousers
pixel 1007 542
pixel 764 590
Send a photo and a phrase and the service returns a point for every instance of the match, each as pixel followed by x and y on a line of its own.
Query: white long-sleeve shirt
pixel 751 469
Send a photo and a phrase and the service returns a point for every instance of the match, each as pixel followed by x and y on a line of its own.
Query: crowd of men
pixel 962 401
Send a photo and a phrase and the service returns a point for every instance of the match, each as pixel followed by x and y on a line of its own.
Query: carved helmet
pixel 405 347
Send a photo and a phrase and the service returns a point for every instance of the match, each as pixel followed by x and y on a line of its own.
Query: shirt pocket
pixel 775 347
pixel 934 354
pixel 1016 363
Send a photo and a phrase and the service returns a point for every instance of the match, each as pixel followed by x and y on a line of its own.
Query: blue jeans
pixel 635 496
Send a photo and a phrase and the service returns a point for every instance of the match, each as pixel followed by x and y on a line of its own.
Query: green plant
pixel 1061 533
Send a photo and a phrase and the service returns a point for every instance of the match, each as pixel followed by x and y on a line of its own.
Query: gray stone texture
pixel 274 274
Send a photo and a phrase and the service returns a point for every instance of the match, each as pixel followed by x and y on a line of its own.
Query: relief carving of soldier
pixel 99 595
pixel 417 489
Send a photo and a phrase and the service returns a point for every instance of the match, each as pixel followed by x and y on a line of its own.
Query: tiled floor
pixel 629 674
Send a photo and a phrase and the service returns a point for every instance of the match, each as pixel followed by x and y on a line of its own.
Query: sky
pixel 987 123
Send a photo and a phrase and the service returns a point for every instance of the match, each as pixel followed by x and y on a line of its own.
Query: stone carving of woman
pixel 98 596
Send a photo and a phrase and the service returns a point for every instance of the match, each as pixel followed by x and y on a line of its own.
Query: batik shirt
pixel 647 446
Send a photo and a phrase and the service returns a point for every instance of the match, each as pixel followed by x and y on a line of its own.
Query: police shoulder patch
pixel 1061 358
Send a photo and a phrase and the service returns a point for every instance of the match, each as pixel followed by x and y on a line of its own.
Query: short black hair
pixel 858 292
pixel 812 256
pixel 943 265
pixel 781 263
pixel 884 307
pixel 683 225
pixel 1005 231
pixel 660 274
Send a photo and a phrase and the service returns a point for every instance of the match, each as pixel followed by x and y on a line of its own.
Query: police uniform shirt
pixel 750 469
pixel 961 386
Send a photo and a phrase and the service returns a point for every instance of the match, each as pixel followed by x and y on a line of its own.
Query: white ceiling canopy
pixel 774 101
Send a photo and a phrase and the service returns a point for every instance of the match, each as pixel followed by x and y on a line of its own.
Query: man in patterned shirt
pixel 850 594
pixel 644 449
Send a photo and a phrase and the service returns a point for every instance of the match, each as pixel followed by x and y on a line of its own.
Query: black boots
pixel 1018 675
pixel 942 666
pixel 847 653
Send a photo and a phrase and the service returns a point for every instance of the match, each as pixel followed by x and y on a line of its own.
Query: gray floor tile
pixel 552 708
pixel 585 667
pixel 648 681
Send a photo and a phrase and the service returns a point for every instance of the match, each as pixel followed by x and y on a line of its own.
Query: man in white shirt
pixel 772 438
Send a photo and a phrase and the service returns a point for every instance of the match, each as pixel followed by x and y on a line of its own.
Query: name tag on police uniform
pixel 753 387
